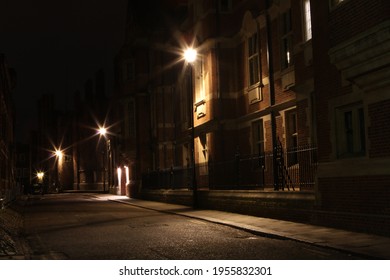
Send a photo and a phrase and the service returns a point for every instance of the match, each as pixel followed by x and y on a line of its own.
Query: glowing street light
pixel 40 176
pixel 190 55
pixel 102 131
pixel 59 153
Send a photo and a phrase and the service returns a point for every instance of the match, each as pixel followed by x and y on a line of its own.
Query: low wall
pixel 292 206
pixel 295 206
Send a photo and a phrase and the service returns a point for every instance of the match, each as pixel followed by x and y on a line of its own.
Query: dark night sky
pixel 55 46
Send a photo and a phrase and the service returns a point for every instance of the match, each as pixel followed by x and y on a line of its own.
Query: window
pixel 129 71
pixel 350 125
pixel 67 158
pixel 292 137
pixel 200 81
pixel 258 141
pixel 253 60
pixel 131 119
pixel 307 20
pixel 286 40
pixel 225 6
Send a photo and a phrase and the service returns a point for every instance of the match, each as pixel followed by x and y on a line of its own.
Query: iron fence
pixel 292 169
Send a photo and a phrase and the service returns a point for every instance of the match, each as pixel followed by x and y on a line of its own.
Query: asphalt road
pixel 84 227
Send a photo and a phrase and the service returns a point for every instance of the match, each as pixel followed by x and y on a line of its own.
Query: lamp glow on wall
pixel 127 175
pixel 119 174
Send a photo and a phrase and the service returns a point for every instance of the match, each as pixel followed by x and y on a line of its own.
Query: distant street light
pixel 59 153
pixel 102 131
pixel 40 176
pixel 190 56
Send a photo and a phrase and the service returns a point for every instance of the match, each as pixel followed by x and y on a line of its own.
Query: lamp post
pixel 103 132
pixel 190 56
pixel 59 154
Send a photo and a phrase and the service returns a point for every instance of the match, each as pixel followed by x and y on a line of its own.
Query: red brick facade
pixel 351 54
pixel 273 81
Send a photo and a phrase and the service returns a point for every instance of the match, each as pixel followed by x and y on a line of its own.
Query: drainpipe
pixel 217 112
pixel 271 96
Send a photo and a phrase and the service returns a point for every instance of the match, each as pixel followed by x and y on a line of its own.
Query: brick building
pixel 43 144
pixel 351 74
pixel 22 166
pixel 238 128
pixel 88 149
pixel 67 146
pixel 248 94
pixel 8 189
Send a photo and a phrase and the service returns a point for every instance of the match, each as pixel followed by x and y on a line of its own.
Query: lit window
pixel 253 60
pixel 307 19
pixel 286 39
pixel 351 137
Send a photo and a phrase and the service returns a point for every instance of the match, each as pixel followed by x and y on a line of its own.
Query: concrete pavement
pixel 366 245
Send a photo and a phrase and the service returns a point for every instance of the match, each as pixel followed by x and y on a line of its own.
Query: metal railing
pixel 292 170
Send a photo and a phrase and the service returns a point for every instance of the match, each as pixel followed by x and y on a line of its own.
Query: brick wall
pixel 355 203
pixel 352 17
pixel 379 129
pixel 363 194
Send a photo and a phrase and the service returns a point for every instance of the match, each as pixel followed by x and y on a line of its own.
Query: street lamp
pixel 103 132
pixel 40 176
pixel 190 56
pixel 59 154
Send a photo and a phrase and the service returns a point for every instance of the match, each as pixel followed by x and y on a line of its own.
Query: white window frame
pixel 306 9
pixel 253 60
